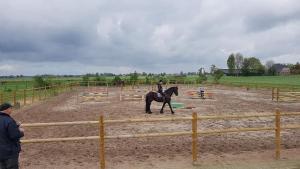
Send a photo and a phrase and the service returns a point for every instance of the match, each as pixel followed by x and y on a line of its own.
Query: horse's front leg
pixel 162 108
pixel 170 107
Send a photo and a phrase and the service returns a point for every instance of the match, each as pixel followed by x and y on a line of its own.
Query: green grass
pixel 292 81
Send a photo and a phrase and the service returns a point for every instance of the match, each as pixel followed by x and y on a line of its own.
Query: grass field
pixel 292 81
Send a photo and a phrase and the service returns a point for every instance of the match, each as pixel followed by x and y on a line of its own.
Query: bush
pixel 201 78
pixel 218 74
pixel 40 82
pixel 100 81
pixel 85 80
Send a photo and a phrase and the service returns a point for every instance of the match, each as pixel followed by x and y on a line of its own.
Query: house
pixel 285 71
pixel 278 68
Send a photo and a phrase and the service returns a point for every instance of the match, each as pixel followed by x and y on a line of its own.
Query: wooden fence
pixel 195 133
pixel 285 95
pixel 30 95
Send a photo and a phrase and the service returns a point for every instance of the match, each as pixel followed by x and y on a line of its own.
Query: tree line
pixel 251 66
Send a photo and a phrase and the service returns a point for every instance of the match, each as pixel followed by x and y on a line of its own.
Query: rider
pixel 160 89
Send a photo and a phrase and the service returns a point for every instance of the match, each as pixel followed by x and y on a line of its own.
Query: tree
pixel 201 76
pixel 133 78
pixel 238 61
pixel 218 74
pixel 256 65
pixel 269 64
pixel 270 68
pixel 231 63
pixel 252 66
pixel 295 69
pixel 213 68
pixel 271 71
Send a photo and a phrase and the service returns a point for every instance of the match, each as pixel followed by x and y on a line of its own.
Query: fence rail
pixel 194 133
pixel 285 95
pixel 31 95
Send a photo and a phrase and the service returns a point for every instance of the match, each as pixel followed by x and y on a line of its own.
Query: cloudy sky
pixel 122 36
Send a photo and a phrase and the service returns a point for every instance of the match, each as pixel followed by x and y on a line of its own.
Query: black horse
pixel 153 96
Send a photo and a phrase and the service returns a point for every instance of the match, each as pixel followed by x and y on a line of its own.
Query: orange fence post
pixel 194 137
pixel 101 141
pixel 277 134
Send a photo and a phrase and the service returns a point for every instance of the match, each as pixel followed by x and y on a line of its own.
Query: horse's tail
pixel 146 101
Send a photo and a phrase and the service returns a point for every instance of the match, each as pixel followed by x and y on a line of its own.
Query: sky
pixel 122 36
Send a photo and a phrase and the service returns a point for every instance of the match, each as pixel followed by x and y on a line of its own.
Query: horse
pixel 153 96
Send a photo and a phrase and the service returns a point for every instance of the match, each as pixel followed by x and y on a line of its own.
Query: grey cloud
pixel 145 35
pixel 266 21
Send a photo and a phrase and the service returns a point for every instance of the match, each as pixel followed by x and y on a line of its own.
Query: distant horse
pixel 154 96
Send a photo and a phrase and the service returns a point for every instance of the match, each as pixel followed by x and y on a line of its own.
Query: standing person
pixel 160 89
pixel 201 90
pixel 10 134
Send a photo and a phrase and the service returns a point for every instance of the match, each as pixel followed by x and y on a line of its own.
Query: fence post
pixel 194 137
pixel 24 96
pixel 45 92
pixel 101 141
pixel 277 92
pixel 14 97
pixel 121 95
pixel 277 134
pixel 32 99
pixel 106 89
pixel 272 93
pixel 39 90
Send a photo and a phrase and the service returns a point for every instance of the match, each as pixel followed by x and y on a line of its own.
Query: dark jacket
pixel 9 137
pixel 160 89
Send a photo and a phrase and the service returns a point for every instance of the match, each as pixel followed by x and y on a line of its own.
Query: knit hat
pixel 5 106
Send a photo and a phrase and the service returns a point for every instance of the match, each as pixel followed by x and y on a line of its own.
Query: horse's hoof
pixel 149 112
pixel 161 112
pixel 173 113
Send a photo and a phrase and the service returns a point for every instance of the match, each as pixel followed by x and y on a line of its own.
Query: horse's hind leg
pixel 148 110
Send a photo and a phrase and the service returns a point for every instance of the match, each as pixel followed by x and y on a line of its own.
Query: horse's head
pixel 176 90
pixel 172 90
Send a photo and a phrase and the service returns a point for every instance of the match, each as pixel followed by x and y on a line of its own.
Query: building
pixel 285 71
pixel 234 72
